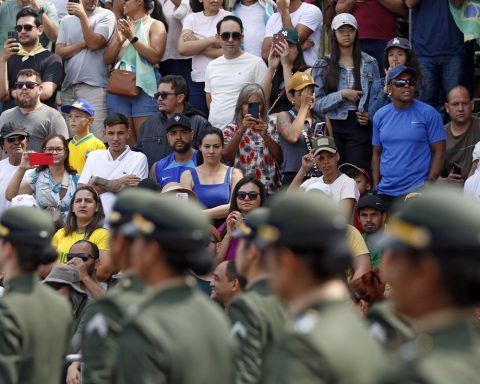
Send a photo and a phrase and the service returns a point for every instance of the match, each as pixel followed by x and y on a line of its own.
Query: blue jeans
pixel 441 73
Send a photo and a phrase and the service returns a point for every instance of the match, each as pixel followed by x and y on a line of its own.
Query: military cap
pixel 27 225
pixel 248 229
pixel 306 220
pixel 129 201
pixel 441 219
pixel 65 274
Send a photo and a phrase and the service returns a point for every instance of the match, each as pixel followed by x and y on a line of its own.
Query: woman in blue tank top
pixel 212 181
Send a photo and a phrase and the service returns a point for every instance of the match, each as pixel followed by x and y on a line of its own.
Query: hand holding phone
pixel 40 158
pixel 12 47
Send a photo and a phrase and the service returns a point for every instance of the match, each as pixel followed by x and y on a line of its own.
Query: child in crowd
pixel 81 117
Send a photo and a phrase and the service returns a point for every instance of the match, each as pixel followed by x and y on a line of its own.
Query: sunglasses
pixel 27 84
pixel 83 256
pixel 12 139
pixel 402 83
pixel 251 195
pixel 163 95
pixel 225 36
pixel 26 27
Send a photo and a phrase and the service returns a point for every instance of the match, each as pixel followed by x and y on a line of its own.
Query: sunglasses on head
pixel 27 84
pixel 225 36
pixel 163 95
pixel 251 195
pixel 401 83
pixel 83 256
pixel 26 27
pixel 12 139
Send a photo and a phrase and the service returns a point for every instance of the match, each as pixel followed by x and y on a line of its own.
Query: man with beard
pixel 179 136
pixel 27 52
pixel 40 119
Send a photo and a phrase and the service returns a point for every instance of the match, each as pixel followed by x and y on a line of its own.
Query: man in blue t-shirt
pixel 179 136
pixel 408 140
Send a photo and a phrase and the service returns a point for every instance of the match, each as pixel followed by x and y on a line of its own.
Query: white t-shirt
pixel 224 80
pixel 202 27
pixel 343 187
pixel 252 17
pixel 100 163
pixel 472 186
pixel 6 172
pixel 308 15
pixel 174 17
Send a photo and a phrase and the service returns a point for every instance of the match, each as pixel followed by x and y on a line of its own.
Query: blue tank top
pixel 212 195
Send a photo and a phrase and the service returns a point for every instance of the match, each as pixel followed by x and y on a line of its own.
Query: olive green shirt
pixel 450 355
pixel 178 336
pixel 258 319
pixel 327 343
pixel 103 325
pixel 35 328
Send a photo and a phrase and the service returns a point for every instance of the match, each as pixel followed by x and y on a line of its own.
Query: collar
pixel 22 283
pixel 440 319
pixel 176 282
pixel 25 55
pixel 121 157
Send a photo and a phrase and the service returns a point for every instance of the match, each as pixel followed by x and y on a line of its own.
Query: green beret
pixel 27 225
pixel 441 218
pixel 128 202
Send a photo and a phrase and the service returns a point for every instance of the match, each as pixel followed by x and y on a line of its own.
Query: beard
pixel 184 149
pixel 26 102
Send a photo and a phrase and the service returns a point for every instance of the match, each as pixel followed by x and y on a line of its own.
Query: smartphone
pixel 456 169
pixel 13 35
pixel 320 129
pixel 254 110
pixel 277 38
pixel 40 158
pixel 73 1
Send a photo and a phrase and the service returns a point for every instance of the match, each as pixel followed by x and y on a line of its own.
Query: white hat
pixel 24 201
pixel 344 19
pixel 319 186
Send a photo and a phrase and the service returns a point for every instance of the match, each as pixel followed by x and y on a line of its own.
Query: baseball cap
pixel 300 80
pixel 349 168
pixel 319 186
pixel 178 120
pixel 290 35
pixel 65 274
pixel 371 201
pixel 398 70
pixel 81 105
pixel 12 129
pixel 323 143
pixel 24 200
pixel 399 42
pixel 344 19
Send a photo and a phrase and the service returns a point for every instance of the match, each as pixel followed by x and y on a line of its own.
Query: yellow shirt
pixel 79 150
pixel 63 243
pixel 357 245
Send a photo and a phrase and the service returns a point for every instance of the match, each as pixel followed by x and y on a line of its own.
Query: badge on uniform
pixel 305 323
pixel 239 330
pixel 97 324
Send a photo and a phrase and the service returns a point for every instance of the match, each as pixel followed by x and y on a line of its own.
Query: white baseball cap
pixel 344 19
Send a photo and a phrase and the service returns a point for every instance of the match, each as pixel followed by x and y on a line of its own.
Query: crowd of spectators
pixel 232 103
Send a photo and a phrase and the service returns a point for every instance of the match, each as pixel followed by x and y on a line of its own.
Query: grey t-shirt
pixel 86 66
pixel 40 123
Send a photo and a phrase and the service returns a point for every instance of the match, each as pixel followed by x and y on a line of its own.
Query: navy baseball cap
pixel 399 42
pixel 398 70
pixel 81 105
pixel 178 120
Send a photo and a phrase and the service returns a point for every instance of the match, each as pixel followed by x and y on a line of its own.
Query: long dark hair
pixel 71 224
pixel 157 11
pixel 66 162
pixel 332 74
pixel 411 62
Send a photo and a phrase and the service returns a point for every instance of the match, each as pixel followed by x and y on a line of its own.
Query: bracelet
pixel 134 40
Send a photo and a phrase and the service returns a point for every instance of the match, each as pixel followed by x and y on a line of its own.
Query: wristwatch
pixel 41 11
pixel 134 40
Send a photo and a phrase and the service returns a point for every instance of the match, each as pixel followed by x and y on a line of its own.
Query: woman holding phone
pixel 50 178
pixel 251 142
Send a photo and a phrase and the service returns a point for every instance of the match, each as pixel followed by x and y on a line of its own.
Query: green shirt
pixel 375 254
pixel 178 336
pixel 258 319
pixel 103 325
pixel 35 328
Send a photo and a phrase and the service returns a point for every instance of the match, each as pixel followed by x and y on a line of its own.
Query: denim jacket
pixel 332 105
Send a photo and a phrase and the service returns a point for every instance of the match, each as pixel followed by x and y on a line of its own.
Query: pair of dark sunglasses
pixel 12 139
pixel 401 83
pixel 26 27
pixel 225 36
pixel 83 256
pixel 27 84
pixel 251 195
pixel 163 95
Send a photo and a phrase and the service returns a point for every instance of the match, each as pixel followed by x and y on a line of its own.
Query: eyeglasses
pixel 27 84
pixel 225 36
pixel 12 139
pixel 54 149
pixel 251 195
pixel 83 256
pixel 401 83
pixel 26 27
pixel 163 95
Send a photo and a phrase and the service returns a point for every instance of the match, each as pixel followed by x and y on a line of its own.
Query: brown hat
pixel 300 80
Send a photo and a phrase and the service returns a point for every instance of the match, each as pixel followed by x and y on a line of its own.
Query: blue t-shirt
pixel 405 136
pixel 167 170
pixel 434 31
